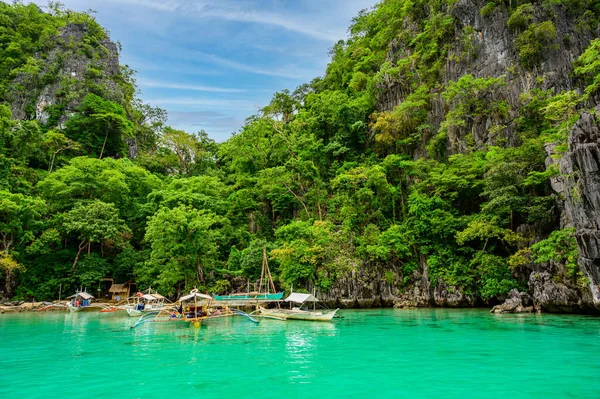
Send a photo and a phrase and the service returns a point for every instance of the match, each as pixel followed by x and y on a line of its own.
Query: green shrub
pixel 534 41
pixel 521 17
pixel 488 9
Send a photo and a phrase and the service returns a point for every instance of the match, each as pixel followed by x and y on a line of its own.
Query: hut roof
pixel 119 288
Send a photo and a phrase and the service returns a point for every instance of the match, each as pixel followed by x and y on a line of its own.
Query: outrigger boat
pixel 193 308
pixel 297 312
pixel 263 294
pixel 79 301
pixel 146 303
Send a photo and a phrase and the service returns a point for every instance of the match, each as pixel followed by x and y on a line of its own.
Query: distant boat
pixel 249 296
pixel 297 312
pixel 265 287
pixel 79 301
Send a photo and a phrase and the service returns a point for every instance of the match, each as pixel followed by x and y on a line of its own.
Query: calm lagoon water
pixel 430 353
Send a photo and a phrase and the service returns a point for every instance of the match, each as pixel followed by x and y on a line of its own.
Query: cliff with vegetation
pixel 447 157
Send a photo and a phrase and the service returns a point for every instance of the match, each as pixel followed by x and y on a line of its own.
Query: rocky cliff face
pixel 579 188
pixel 77 64
pixel 487 49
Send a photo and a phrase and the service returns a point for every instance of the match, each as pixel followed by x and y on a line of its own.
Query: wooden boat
pixel 111 309
pixel 79 301
pixel 266 290
pixel 250 296
pixel 193 308
pixel 146 303
pixel 297 312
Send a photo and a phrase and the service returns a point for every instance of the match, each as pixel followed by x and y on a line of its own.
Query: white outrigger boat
pixel 297 312
pixel 193 308
pixel 79 301
pixel 146 303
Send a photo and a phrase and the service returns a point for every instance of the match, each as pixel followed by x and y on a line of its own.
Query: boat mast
pixel 265 273
pixel 266 266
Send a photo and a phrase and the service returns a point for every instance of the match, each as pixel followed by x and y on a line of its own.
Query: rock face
pixel 487 49
pixel 69 70
pixel 551 296
pixel 371 289
pixel 517 302
pixel 579 188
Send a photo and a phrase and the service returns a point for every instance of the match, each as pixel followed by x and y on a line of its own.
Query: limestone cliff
pixel 486 45
pixel 579 187
pixel 77 63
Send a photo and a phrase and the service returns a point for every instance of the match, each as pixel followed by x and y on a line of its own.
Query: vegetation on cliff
pixel 404 159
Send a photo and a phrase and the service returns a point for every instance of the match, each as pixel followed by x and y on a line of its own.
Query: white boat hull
pixel 295 314
pixel 138 313
pixel 75 308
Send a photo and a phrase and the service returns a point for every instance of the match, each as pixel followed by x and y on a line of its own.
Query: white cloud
pixel 233 11
pixel 209 103
pixel 288 73
pixel 191 87
pixel 277 20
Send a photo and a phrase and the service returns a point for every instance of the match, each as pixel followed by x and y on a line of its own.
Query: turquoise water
pixel 430 353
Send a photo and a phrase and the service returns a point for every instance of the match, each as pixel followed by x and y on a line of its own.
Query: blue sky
pixel 212 63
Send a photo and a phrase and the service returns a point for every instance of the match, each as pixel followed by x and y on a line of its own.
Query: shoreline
pixel 34 307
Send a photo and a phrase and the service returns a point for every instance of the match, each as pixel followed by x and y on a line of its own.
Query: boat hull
pixel 138 313
pixel 285 314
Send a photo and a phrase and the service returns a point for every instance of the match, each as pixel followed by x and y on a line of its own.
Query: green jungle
pixel 403 162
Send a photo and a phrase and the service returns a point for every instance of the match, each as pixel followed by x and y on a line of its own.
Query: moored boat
pixel 146 303
pixel 297 312
pixel 193 308
pixel 79 301
pixel 266 290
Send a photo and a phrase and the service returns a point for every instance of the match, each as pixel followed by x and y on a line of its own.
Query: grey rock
pixel 69 64
pixel 552 296
pixel 517 302
pixel 579 188
pixel 450 296
pixel 491 52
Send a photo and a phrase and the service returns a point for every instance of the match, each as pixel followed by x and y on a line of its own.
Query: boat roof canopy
pixel 150 297
pixel 194 295
pixel 301 298
pixel 84 295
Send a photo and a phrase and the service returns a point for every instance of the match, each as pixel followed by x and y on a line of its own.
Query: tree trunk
pixel 81 248
pixel 52 161
pixel 104 144
pixel 199 271
pixel 8 284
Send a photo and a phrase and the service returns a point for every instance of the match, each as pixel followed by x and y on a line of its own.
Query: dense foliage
pixel 325 179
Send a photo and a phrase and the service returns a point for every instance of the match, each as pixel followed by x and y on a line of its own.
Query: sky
pixel 213 63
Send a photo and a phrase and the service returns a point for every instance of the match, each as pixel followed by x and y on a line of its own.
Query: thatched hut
pixel 119 291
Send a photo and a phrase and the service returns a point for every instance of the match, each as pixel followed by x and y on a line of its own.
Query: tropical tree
pixel 184 243
pixel 96 222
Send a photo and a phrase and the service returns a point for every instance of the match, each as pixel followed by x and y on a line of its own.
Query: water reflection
pixel 303 341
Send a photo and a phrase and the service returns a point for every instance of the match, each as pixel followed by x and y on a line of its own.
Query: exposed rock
pixel 450 296
pixel 363 289
pixel 517 302
pixel 487 50
pixel 68 67
pixel 579 187
pixel 552 296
